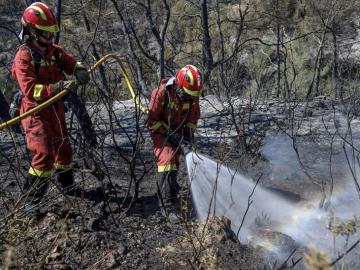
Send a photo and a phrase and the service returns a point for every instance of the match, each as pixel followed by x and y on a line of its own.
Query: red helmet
pixel 189 78
pixel 40 16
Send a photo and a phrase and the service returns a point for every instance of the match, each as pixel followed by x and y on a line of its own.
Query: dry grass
pixel 316 260
pixel 196 248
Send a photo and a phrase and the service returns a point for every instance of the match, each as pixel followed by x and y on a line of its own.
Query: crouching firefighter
pixel 40 77
pixel 173 115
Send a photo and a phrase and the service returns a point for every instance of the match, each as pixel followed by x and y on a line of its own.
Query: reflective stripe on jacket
pixel 45 131
pixel 166 107
pixel 36 87
pixel 167 111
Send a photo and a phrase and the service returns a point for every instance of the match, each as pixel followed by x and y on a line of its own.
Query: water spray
pixel 259 216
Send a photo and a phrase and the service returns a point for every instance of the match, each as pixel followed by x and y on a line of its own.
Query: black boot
pixel 65 178
pixel 167 191
pixel 34 189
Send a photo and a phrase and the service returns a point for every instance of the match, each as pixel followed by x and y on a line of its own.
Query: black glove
pixel 189 138
pixel 174 139
pixel 187 144
pixel 82 75
pixel 14 109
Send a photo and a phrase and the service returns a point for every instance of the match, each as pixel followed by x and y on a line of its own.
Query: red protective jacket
pixel 167 111
pixel 45 131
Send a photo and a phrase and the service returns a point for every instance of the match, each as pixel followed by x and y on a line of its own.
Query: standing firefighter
pixel 173 115
pixel 39 68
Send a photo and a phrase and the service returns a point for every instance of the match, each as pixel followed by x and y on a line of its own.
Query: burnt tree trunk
pixel 278 62
pixel 139 68
pixel 4 113
pixel 335 69
pixel 76 104
pixel 4 108
pixel 207 54
pixel 86 126
pixel 58 18
pixel 313 90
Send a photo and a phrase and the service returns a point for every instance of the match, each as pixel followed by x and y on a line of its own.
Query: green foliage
pixel 16 231
pixel 245 34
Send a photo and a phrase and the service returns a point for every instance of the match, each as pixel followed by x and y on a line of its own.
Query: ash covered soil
pixel 95 230
pixel 103 228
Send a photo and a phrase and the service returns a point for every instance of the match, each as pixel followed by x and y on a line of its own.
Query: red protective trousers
pixel 168 112
pixel 45 131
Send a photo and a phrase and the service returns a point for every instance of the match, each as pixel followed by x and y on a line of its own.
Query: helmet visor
pixel 52 28
pixel 192 92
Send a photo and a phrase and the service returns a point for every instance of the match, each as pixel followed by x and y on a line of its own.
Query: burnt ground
pixel 103 228
pixel 96 230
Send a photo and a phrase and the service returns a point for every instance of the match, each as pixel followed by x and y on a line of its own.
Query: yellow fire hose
pixel 131 89
pixel 64 92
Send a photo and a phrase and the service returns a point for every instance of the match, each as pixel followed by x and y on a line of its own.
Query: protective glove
pixel 189 138
pixel 174 139
pixel 64 85
pixel 185 149
pixel 82 75
pixel 14 109
pixel 179 142
pixel 187 144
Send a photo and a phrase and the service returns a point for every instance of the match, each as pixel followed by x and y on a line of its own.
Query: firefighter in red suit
pixel 39 68
pixel 173 115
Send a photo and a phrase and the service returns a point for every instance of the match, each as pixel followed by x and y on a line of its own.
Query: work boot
pixel 167 191
pixel 173 218
pixel 65 178
pixel 168 187
pixel 34 189
pixel 169 212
